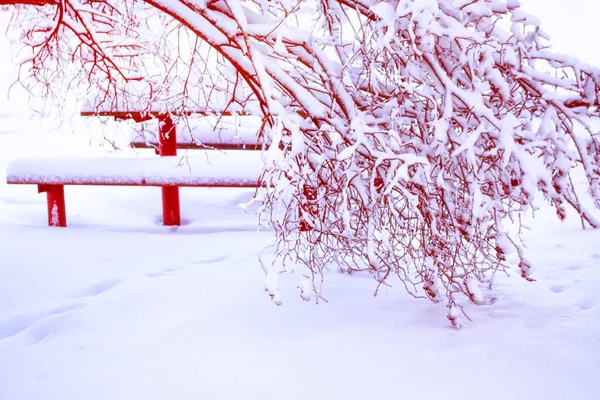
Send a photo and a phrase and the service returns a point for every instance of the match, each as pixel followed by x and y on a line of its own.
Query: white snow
pixel 54 220
pixel 120 307
pixel 207 131
pixel 117 306
pixel 210 168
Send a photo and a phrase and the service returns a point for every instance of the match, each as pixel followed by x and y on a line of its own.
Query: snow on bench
pixel 231 169
pixel 226 133
pixel 200 126
pixel 211 169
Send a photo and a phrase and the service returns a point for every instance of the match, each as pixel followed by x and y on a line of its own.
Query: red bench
pixel 231 169
pixel 212 169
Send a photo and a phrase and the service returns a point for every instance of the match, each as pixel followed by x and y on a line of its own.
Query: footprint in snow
pixel 585 305
pixel 49 326
pixel 170 271
pixel 558 288
pixel 41 324
pixel 164 272
pixel 99 288
pixel 596 256
pixel 213 260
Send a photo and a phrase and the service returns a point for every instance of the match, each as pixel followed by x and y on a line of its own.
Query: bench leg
pixel 170 199
pixel 55 197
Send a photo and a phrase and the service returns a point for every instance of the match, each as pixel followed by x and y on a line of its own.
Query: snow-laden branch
pixel 404 132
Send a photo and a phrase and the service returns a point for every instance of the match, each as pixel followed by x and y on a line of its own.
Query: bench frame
pixel 167 146
pixel 55 198
pixel 167 134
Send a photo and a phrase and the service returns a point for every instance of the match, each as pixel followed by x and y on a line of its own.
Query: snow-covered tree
pixel 405 133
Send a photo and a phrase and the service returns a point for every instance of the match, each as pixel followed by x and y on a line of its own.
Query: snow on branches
pixel 404 132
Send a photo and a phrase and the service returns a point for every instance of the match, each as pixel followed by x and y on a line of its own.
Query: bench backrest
pixel 227 133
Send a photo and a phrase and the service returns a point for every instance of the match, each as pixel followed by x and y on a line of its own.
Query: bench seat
pixel 218 169
pixel 209 169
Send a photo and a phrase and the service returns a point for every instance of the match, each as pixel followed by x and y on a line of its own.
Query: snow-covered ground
pixel 117 306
